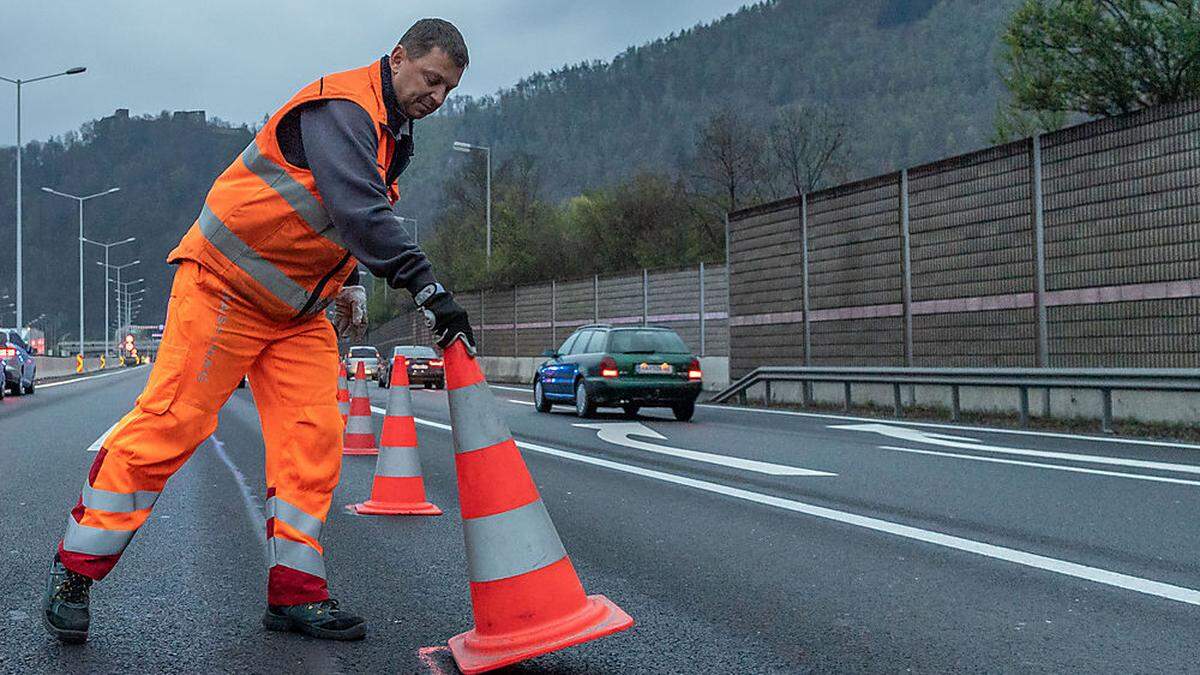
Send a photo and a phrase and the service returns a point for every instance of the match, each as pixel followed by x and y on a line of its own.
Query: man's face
pixel 423 84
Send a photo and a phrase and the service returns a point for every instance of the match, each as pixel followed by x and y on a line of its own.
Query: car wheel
pixel 584 407
pixel 539 398
pixel 631 410
pixel 29 390
pixel 18 389
pixel 684 411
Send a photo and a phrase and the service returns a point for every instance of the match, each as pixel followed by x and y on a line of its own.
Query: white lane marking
pixel 934 425
pixel 95 446
pixel 89 378
pixel 918 436
pixel 1037 465
pixel 1064 567
pixel 619 433
pixel 249 499
pixel 513 400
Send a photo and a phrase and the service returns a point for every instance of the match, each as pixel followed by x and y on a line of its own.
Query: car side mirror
pixel 550 353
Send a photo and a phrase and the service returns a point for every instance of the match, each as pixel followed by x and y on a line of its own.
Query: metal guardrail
pixel 1106 380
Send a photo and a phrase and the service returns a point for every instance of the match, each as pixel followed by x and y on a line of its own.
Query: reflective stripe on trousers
pixel 294 554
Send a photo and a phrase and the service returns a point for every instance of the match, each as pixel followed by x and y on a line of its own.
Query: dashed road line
pixel 1024 558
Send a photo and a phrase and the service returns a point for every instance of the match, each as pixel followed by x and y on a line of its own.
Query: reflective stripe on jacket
pixel 263 226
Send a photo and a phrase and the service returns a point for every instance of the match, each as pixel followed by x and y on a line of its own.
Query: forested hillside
pixel 913 80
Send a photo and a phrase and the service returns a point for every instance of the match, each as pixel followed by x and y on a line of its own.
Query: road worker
pixel 279 238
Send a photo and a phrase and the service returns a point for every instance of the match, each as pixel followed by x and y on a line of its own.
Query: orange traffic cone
pixel 360 427
pixel 399 488
pixel 525 594
pixel 343 395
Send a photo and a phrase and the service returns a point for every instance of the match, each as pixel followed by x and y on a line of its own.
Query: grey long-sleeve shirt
pixel 336 140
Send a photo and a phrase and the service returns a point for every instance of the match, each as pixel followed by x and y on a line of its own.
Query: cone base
pixel 360 451
pixel 372 507
pixel 599 616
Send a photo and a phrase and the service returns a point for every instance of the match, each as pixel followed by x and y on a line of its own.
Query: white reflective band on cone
pixel 511 543
pixel 399 402
pixel 93 540
pixel 475 420
pixel 398 463
pixel 359 424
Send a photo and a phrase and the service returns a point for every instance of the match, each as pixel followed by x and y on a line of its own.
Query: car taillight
pixel 694 372
pixel 608 367
pixel 8 353
pixel 436 362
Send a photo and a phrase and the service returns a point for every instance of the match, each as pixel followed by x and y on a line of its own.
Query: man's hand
pixel 446 319
pixel 350 312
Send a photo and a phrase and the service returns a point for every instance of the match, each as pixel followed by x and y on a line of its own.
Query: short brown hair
pixel 427 34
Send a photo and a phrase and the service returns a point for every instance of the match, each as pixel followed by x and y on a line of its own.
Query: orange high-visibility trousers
pixel 211 339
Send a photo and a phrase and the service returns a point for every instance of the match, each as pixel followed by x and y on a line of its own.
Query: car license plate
pixel 418 367
pixel 655 369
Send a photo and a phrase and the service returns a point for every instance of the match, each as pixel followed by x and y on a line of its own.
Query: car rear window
pixel 416 352
pixel 363 353
pixel 645 342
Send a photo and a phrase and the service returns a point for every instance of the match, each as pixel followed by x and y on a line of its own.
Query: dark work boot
pixel 318 619
pixel 65 604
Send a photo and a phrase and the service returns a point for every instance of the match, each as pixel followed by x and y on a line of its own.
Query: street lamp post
pixel 20 284
pixel 107 327
pixel 459 146
pixel 81 200
pixel 123 288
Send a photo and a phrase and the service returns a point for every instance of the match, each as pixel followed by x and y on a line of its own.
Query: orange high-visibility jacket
pixel 264 227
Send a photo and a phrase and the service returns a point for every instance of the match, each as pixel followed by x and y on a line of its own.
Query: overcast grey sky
pixel 239 59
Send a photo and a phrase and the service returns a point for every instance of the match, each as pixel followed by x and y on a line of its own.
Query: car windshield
pixel 363 353
pixel 416 352
pixel 645 342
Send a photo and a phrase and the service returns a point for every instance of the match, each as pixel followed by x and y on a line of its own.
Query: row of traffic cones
pixel 525 594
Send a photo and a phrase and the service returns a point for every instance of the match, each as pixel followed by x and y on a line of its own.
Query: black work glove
pixel 446 319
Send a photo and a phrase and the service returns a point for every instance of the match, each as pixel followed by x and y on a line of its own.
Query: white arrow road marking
pixel 619 433
pixel 918 436
pixel 1038 465
pixel 1018 557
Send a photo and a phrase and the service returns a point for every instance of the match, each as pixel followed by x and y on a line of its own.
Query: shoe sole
pixel 71 637
pixel 283 624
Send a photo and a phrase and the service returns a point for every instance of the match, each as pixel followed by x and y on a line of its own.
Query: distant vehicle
pixel 368 356
pixel 425 367
pixel 630 368
pixel 20 368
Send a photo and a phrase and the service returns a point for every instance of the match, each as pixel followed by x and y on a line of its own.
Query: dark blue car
pixel 20 369
pixel 629 368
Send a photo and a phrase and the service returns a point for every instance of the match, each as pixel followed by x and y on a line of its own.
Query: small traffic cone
pixel 398 488
pixel 525 594
pixel 360 427
pixel 343 395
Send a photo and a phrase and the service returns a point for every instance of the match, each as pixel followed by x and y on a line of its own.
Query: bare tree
pixel 809 143
pixel 729 162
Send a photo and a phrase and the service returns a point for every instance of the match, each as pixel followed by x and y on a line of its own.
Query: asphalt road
pixel 797 543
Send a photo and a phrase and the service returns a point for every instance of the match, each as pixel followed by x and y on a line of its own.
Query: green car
pixel 629 368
